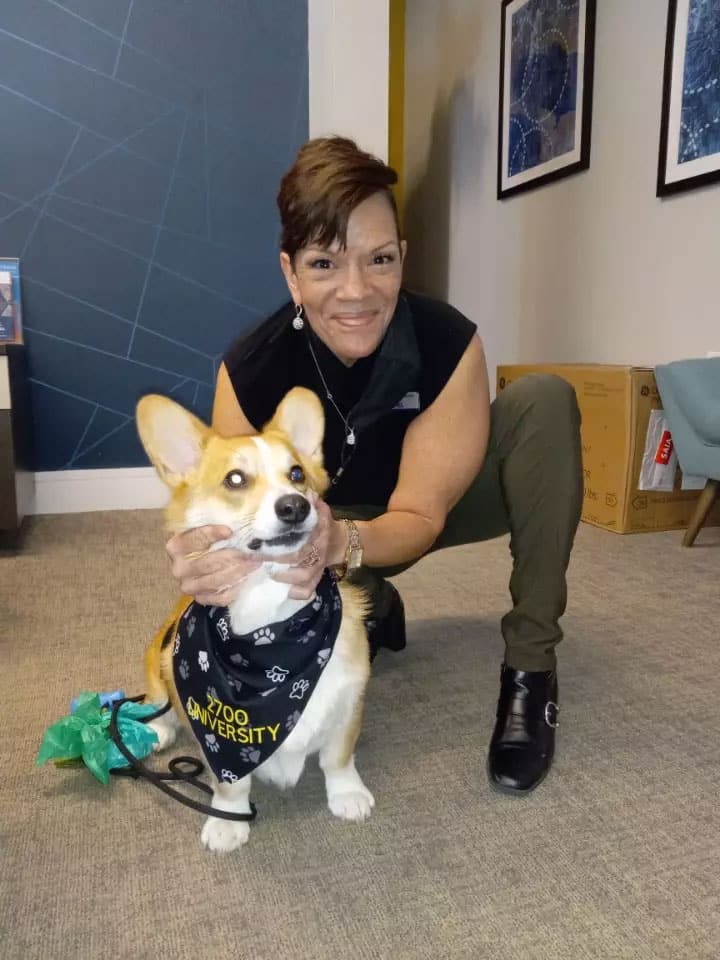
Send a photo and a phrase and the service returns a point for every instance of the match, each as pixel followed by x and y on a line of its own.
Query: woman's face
pixel 349 296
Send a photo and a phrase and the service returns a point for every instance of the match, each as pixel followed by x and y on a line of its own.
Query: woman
pixel 419 457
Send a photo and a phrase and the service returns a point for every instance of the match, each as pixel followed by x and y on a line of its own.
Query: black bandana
pixel 244 694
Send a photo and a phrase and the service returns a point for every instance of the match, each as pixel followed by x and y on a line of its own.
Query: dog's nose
pixel 292 508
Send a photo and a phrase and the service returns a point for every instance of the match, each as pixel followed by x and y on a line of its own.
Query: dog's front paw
pixel 166 734
pixel 223 836
pixel 353 805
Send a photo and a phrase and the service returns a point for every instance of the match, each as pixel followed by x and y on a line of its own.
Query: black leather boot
pixel 523 742
pixel 386 624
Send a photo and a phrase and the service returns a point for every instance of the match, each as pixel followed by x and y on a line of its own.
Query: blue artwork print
pixel 543 83
pixel 700 115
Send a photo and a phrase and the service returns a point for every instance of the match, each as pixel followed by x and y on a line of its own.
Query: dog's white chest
pixel 328 711
pixel 262 601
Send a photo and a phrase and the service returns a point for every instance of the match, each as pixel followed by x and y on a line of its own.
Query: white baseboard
pixel 84 491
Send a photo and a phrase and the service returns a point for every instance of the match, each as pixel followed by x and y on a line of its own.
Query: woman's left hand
pixel 306 567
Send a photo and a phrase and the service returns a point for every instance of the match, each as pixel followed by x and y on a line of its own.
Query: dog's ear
pixel 301 418
pixel 173 438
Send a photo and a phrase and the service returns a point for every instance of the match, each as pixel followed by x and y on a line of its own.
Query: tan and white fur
pixel 202 470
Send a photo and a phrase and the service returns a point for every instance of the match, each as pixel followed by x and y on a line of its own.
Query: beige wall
pixel 593 268
pixel 349 60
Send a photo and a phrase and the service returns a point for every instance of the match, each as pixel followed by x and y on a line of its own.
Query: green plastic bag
pixel 85 735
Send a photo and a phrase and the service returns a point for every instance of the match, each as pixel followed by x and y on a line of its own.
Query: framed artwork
pixel 10 302
pixel 690 122
pixel 546 79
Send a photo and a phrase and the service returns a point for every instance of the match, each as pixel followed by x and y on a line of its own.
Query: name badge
pixel 411 401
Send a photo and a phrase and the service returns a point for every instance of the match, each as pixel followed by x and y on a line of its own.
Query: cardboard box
pixel 615 403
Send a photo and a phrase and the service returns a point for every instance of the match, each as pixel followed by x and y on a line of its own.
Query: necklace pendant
pixel 351 438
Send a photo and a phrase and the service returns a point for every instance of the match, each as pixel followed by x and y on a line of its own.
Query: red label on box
pixel 665 449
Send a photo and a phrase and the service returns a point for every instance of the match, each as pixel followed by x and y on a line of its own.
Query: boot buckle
pixel 552 710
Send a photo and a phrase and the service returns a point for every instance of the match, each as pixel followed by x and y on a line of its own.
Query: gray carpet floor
pixel 616 856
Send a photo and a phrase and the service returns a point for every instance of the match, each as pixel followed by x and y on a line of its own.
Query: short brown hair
pixel 329 178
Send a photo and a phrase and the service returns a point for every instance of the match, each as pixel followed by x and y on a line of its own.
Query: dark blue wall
pixel 142 145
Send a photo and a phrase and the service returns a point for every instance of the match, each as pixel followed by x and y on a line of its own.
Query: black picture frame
pixel 11 320
pixel 678 111
pixel 566 162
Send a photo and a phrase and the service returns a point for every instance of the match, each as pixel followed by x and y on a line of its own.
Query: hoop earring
pixel 298 322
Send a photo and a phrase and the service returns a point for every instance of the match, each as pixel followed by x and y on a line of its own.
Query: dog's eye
pixel 234 480
pixel 297 474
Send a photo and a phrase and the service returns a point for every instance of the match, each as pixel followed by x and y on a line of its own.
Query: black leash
pixel 180 769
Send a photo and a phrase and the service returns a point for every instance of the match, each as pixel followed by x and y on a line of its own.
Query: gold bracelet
pixel 353 551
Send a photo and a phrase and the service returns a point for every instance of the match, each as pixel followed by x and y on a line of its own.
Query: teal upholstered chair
pixel 690 393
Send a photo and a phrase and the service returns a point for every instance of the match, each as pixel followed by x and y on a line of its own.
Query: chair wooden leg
pixel 707 499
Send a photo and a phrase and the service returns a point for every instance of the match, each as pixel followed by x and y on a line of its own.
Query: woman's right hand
pixel 212 577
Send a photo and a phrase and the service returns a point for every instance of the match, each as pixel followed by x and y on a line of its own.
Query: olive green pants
pixel 530 486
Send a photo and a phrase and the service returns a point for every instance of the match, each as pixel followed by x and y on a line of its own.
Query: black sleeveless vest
pixel 380 395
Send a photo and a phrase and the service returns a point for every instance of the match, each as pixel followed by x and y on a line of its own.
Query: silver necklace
pixel 350 437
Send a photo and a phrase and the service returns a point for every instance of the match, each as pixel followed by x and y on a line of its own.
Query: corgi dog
pixel 269 680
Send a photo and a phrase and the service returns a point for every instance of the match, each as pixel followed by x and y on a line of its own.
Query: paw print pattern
pixel 223 629
pixel 191 626
pixel 212 693
pixel 323 656
pixel 203 661
pixel 184 669
pixel 317 603
pixel 306 637
pixel 299 689
pixel 263 635
pixel 249 755
pixel 235 684
pixel 296 625
pixel 211 742
pixel 239 660
pixel 176 648
pixel 277 674
pixel 337 601
pixel 228 776
pixel 292 720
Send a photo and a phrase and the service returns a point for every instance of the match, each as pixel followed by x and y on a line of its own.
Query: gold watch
pixel 353 552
